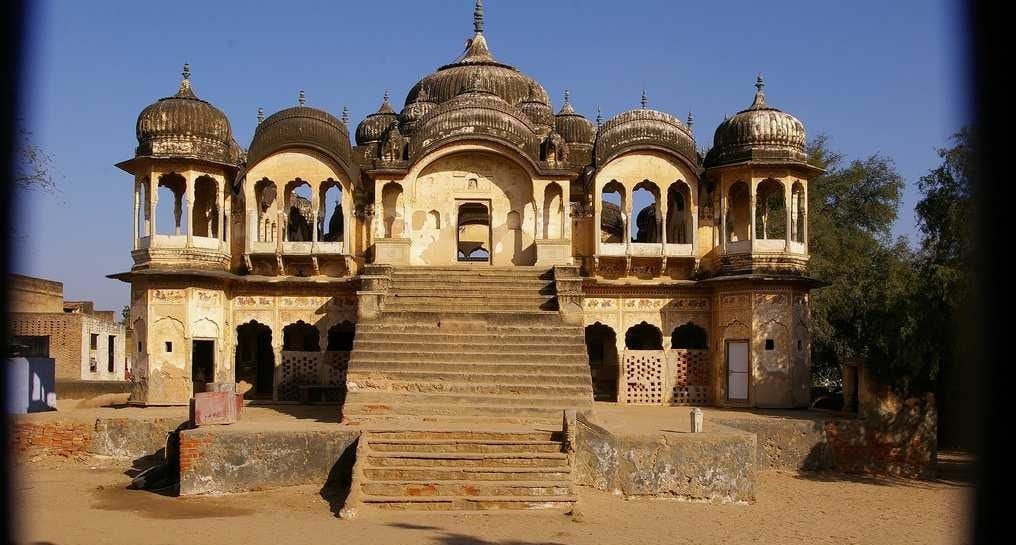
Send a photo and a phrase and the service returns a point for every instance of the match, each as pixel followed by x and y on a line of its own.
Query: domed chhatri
pixel 183 125
pixel 504 80
pixel 373 127
pixel 301 126
pixel 759 133
pixel 645 128
pixel 573 126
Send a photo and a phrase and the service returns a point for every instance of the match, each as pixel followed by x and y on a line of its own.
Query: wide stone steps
pixel 493 356
pixel 434 346
pixel 508 379
pixel 416 315
pixel 436 385
pixel 444 336
pixel 466 400
pixel 440 412
pixel 486 331
pixel 525 369
pixel 462 470
pixel 475 306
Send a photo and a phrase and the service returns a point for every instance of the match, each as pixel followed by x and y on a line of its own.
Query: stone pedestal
pixel 391 251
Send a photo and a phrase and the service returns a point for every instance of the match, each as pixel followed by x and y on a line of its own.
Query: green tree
pixel 861 314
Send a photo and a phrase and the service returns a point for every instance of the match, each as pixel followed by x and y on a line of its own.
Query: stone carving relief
pixel 168 296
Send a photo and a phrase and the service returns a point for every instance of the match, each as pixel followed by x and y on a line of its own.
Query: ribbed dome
pixel 503 80
pixel 643 127
pixel 185 126
pixel 759 133
pixel 301 126
pixel 373 127
pixel 413 111
pixel 572 126
pixel 474 112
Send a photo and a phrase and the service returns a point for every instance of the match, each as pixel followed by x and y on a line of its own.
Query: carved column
pixel 788 216
pixel 752 189
pixel 724 212
pixel 137 212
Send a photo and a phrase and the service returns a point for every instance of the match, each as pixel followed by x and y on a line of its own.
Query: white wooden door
pixel 738 373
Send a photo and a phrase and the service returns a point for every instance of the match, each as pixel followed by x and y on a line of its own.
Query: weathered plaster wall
pixel 223 460
pixel 718 466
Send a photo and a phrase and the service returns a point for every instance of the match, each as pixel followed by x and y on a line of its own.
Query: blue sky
pixel 874 76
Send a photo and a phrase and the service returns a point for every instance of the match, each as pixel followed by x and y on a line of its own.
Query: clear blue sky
pixel 875 76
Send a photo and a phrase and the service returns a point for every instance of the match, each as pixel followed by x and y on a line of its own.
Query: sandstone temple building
pixel 478 251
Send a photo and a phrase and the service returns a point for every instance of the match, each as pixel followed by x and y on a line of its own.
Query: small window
pixel 800 345
pixel 111 354
pixel 169 346
pixel 770 344
pixel 139 347
pixel 94 342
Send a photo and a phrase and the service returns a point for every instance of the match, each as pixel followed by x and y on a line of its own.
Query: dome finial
pixel 261 114
pixel 645 100
pixel 567 108
pixel 567 96
pixel 599 117
pixel 185 86
pixel 302 99
pixel 345 115
pixel 691 121
pixel 760 94
pixel 478 17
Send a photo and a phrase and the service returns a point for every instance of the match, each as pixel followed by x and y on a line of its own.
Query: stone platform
pixel 413 463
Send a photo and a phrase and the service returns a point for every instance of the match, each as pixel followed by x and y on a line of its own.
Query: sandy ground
pixel 66 502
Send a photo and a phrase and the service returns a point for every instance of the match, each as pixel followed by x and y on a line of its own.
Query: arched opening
pixel 690 337
pixel 612 220
pixel 770 211
pixel 553 212
pixel 171 190
pixel 299 216
pixel 601 347
pixel 393 215
pixel 646 199
pixel 265 193
pixel 341 337
pixel 473 242
pixel 331 221
pixel 797 209
pixel 737 212
pixel 205 222
pixel 301 337
pixel 679 220
pixel 433 220
pixel 255 360
pixel 643 336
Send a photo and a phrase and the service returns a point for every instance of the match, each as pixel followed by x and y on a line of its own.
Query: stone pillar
pixel 752 189
pixel 188 195
pixel 314 205
pixel 787 216
pixel 137 213
pixel 627 220
pixel 693 209
pixel 724 212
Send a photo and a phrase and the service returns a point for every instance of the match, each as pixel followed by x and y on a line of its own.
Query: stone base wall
pixel 121 438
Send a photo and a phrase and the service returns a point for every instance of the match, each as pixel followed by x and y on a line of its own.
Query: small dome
pixel 184 126
pixel 644 128
pixel 413 111
pixel 301 126
pixel 759 133
pixel 373 127
pixel 572 126
pixel 475 112
pixel 538 112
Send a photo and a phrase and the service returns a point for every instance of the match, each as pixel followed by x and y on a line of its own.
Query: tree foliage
pixel 889 307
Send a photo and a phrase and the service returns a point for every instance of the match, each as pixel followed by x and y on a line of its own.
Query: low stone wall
pixel 122 438
pixel 786 444
pixel 85 389
pixel 717 466
pixel 217 459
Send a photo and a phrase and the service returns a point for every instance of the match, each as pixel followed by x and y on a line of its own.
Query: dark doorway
pixel 601 346
pixel 474 233
pixel 202 364
pixel 255 360
pixel 111 353
pixel 341 336
pixel 643 336
pixel 689 336
pixel 301 337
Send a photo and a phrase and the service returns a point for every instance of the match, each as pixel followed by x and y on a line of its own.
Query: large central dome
pixel 477 63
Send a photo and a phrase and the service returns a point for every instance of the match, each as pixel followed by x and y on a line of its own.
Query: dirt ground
pixel 69 502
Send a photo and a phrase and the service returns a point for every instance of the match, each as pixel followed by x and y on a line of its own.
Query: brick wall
pixel 59 438
pixel 192 446
pixel 65 337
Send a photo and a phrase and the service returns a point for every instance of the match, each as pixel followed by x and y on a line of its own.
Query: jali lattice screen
pixel 643 377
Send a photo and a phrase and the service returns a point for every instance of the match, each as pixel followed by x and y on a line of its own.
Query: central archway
pixel 255 359
pixel 473 242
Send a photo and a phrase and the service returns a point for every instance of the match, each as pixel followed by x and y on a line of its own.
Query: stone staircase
pixel 468 344
pixel 460 470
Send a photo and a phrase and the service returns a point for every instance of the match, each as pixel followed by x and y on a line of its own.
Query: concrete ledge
pixel 219 460
pixel 718 466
